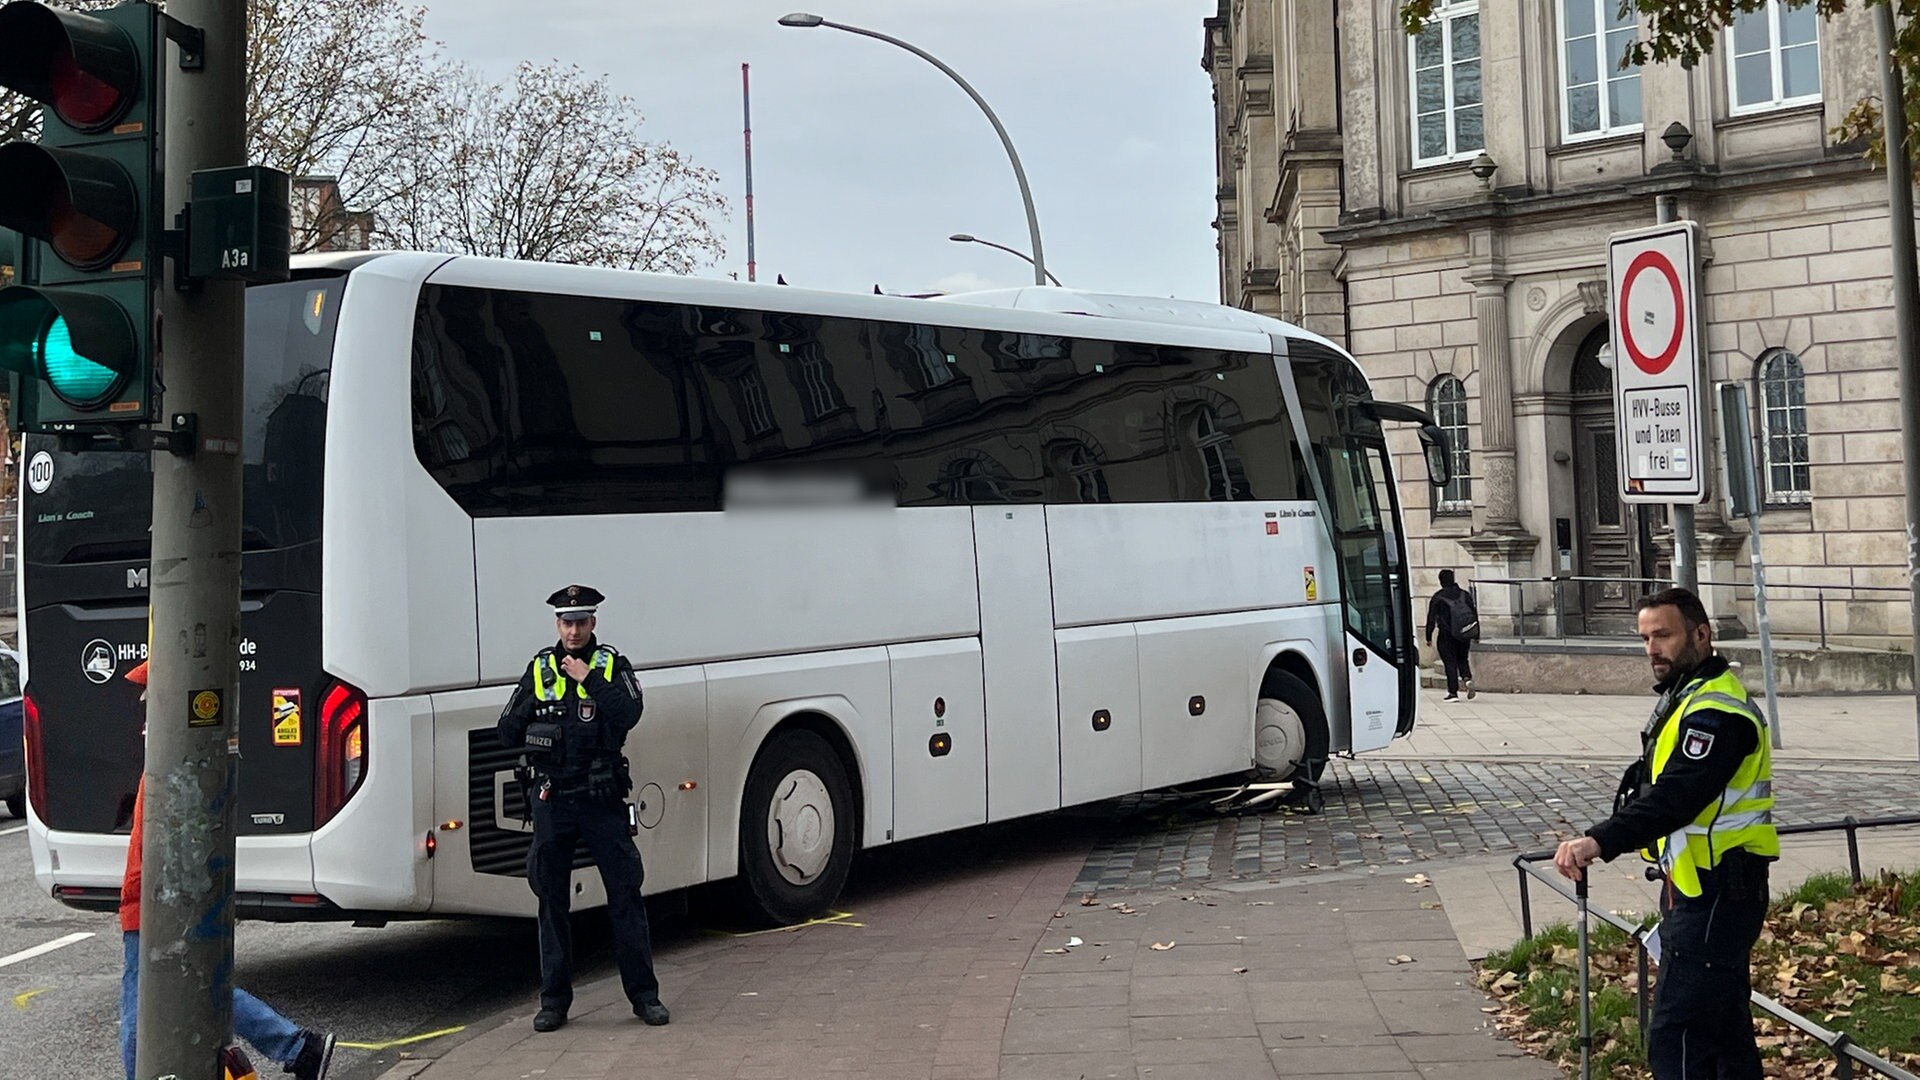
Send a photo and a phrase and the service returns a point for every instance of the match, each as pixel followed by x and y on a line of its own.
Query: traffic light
pixel 77 328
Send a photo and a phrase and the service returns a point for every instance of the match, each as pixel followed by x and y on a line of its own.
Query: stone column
pixel 1501 549
pixel 1496 403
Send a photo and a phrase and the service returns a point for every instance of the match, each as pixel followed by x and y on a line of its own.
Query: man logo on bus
pixel 97 662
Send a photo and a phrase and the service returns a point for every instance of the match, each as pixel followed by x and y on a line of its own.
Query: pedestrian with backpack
pixel 1453 613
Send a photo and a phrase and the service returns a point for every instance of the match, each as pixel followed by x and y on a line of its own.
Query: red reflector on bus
pixel 304 898
pixel 433 844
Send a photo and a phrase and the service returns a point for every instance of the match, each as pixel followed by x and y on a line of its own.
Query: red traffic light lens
pixel 81 99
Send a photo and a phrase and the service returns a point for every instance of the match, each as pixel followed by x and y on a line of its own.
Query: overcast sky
pixel 866 158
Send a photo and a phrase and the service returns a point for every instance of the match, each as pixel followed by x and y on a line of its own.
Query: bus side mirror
pixel 1433 442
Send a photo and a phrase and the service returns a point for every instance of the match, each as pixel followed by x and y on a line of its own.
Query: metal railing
pixel 1517 597
pixel 1845 1051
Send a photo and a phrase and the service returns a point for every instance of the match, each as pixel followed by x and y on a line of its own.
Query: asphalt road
pixel 59 1010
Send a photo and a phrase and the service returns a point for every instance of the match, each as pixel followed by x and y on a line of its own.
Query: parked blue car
pixel 13 748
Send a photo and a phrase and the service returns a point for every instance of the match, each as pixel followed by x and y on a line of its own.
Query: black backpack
pixel 1462 621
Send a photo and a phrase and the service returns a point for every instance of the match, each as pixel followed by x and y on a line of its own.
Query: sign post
pixel 1743 500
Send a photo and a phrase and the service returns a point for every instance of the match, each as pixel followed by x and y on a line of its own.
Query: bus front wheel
pixel 1290 729
pixel 796 828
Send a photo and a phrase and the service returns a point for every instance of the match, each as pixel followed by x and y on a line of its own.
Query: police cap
pixel 575 602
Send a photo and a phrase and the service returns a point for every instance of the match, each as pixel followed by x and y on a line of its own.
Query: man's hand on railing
pixel 1574 856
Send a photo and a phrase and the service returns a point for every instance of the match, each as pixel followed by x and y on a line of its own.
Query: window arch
pixel 1447 401
pixel 1783 429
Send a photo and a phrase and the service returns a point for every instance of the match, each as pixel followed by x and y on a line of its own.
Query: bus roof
pixel 1137 316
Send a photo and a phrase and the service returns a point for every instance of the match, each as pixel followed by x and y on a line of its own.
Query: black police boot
pixel 315 1057
pixel 549 1019
pixel 654 1013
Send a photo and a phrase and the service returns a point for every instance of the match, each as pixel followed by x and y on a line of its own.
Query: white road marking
pixel 38 950
pixel 15 829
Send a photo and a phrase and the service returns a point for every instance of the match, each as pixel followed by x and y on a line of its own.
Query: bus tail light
pixel 36 756
pixel 340 761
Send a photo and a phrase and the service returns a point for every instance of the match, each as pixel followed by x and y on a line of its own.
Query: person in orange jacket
pixel 306 1054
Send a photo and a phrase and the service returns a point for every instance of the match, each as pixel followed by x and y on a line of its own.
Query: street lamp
pixel 969 238
pixel 806 20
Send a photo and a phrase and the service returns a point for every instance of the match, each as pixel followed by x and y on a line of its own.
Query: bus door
pixel 1016 653
pixel 1382 669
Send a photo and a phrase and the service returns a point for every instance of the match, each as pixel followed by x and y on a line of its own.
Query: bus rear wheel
pixel 796 828
pixel 1290 729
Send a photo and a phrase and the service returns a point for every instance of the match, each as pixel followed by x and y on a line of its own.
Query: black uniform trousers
pixel 559 824
pixel 1702 1026
pixel 1453 657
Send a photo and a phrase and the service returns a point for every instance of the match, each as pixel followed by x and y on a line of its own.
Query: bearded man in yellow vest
pixel 1699 805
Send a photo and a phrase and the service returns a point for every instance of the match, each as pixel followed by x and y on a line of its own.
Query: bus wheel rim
pixel 1279 735
pixel 800 827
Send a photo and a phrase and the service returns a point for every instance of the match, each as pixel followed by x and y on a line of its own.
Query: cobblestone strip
pixel 1383 812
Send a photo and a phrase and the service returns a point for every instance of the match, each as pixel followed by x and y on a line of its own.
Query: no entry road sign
pixel 1655 321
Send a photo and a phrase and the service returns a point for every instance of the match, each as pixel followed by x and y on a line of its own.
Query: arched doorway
pixel 1616 539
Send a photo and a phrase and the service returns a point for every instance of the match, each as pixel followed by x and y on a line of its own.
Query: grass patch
pixel 1845 957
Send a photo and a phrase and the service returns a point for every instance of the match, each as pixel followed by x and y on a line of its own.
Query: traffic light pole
pixel 186 954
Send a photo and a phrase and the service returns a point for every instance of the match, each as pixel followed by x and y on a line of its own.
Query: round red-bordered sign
pixel 1652 260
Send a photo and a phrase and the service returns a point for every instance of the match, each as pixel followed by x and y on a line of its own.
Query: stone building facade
pixel 1441 204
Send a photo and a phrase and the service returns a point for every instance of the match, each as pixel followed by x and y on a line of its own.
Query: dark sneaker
pixel 1451 697
pixel 315 1057
pixel 654 1013
pixel 1469 685
pixel 549 1019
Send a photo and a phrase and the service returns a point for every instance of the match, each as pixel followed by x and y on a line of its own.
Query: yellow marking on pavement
pixel 20 1000
pixel 408 1041
pixel 838 918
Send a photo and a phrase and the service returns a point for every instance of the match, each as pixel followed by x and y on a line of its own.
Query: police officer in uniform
pixel 571 714
pixel 1699 805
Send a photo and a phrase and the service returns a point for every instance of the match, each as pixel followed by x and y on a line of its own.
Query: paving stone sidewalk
pixel 974 976
pixel 943 967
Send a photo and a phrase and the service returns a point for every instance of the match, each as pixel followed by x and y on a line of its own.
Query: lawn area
pixel 1846 958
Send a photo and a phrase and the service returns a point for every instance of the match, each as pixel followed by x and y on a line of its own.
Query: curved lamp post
pixel 1039 260
pixel 969 238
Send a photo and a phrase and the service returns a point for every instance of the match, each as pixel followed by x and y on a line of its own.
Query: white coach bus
pixel 887 567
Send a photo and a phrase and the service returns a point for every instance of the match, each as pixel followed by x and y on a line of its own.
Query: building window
pixel 1775 56
pixel 1783 430
pixel 754 405
pixel 1444 60
pixel 1598 96
pixel 1079 467
pixel 1447 401
pixel 1226 478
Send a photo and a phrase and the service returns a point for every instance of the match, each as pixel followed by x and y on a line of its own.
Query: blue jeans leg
pixel 129 995
pixel 270 1033
pixel 253 1020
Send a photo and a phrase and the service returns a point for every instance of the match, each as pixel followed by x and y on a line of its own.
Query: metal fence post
pixel 1641 942
pixel 1820 598
pixel 1526 904
pixel 1853 846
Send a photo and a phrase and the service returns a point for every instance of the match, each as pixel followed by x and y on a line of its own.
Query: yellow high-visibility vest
pixel 1742 817
pixel 549 682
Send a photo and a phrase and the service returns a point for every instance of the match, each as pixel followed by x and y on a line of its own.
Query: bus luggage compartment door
pixel 939 738
pixel 1016 649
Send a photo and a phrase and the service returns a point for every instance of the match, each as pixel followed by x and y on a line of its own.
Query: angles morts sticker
pixel 286 716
